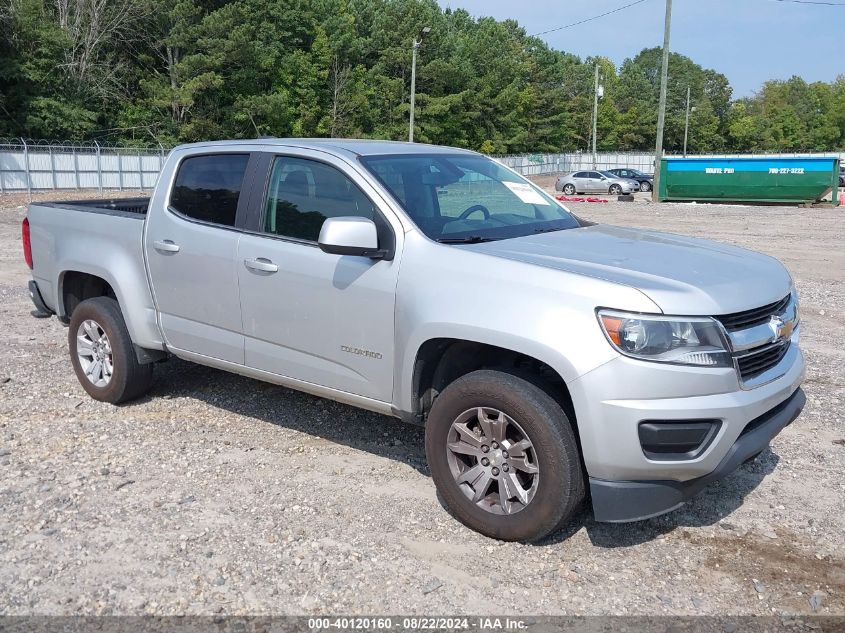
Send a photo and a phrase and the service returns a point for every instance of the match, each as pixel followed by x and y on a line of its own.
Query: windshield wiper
pixel 470 239
pixel 549 230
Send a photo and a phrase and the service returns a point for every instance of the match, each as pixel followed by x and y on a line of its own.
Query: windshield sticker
pixel 526 193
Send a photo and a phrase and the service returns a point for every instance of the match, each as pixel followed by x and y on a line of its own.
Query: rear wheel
pixel 645 186
pixel 615 190
pixel 503 456
pixel 569 189
pixel 102 353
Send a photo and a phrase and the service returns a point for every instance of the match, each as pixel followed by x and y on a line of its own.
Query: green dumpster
pixel 792 180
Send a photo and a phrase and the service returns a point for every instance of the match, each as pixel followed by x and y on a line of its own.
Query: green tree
pixel 167 71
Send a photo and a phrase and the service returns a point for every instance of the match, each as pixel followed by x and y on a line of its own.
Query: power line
pixel 827 4
pixel 595 17
pixel 631 4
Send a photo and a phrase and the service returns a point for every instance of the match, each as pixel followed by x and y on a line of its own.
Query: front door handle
pixel 261 264
pixel 166 246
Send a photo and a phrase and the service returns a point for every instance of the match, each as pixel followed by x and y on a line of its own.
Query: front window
pixel 303 193
pixel 454 198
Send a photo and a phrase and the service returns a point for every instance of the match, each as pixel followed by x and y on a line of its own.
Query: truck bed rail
pixel 130 207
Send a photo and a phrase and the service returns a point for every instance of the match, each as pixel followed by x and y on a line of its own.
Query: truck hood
pixel 682 275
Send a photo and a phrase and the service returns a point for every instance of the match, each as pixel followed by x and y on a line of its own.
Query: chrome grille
pixel 750 318
pixel 760 340
pixel 761 359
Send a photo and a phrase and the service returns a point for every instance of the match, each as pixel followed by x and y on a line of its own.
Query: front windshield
pixel 609 174
pixel 463 197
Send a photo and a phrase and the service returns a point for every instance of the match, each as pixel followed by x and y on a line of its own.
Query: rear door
pixel 308 315
pixel 581 181
pixel 190 246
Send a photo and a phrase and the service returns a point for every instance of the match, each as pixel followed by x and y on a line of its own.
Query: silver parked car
pixel 549 359
pixel 595 182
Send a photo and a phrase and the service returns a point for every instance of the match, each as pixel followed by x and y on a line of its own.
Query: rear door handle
pixel 166 246
pixel 261 264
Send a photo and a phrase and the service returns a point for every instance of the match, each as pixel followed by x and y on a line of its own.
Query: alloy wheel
pixel 94 352
pixel 492 460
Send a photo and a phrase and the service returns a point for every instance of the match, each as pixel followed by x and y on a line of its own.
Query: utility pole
pixel 414 49
pixel 661 108
pixel 595 116
pixel 686 125
pixel 413 88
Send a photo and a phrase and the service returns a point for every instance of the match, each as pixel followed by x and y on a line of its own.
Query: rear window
pixel 208 187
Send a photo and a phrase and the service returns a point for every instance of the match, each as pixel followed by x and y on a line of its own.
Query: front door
pixel 594 182
pixel 308 315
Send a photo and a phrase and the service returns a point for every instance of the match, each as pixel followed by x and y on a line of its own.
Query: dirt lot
pixel 219 494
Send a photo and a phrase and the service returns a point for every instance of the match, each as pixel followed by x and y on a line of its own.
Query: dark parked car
pixel 646 180
pixel 842 176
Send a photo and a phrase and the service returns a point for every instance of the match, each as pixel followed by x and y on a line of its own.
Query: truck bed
pixel 102 238
pixel 127 207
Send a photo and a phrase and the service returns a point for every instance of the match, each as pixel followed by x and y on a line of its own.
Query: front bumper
pixel 613 400
pixel 622 501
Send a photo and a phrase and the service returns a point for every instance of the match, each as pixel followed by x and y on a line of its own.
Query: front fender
pixel 458 293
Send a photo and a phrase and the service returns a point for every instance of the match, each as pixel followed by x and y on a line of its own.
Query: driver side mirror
pixel 350 236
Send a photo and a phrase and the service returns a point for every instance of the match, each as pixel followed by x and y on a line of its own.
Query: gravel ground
pixel 219 494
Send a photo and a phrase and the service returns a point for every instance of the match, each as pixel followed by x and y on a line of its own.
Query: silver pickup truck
pixel 549 359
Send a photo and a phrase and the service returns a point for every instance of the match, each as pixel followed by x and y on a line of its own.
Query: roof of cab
pixel 358 147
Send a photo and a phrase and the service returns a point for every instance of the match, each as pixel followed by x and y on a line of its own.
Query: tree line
pixel 148 72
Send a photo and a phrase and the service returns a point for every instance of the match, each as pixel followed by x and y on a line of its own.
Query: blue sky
pixel 749 41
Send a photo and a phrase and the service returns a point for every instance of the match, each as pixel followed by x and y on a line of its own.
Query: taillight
pixel 27 243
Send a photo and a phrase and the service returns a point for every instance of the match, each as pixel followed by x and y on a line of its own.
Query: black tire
pixel 615 190
pixel 645 186
pixel 560 484
pixel 569 190
pixel 129 378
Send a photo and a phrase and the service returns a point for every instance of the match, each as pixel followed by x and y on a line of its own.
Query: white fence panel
pixel 32 166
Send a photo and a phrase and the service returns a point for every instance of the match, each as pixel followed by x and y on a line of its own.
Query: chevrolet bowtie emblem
pixel 780 329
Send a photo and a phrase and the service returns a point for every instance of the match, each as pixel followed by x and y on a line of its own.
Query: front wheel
pixel 102 353
pixel 503 456
pixel 645 186
pixel 615 190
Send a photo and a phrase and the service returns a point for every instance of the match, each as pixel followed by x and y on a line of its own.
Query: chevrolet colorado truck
pixel 549 359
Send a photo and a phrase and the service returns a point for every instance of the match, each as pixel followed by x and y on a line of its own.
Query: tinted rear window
pixel 207 188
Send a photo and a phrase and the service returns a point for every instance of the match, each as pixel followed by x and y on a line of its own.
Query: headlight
pixel 692 341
